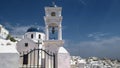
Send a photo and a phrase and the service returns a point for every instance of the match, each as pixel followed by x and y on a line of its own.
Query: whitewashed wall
pixel 9 60
pixel 9 56
pixel 63 58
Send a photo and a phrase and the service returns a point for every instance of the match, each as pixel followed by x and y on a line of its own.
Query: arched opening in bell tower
pixel 53 31
pixel 53 14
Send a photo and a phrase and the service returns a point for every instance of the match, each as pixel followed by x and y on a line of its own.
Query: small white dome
pixel 62 50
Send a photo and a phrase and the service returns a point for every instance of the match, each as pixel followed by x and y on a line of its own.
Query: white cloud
pixel 109 47
pixel 19 30
pixel 97 35
pixel 83 2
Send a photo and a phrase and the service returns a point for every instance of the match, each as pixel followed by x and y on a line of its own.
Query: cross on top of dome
pixel 53 4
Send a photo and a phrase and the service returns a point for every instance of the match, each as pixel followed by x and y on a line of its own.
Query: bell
pixel 53 30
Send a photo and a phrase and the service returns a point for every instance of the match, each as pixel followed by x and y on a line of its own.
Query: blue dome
pixel 33 29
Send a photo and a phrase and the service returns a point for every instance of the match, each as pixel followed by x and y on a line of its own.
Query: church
pixel 44 49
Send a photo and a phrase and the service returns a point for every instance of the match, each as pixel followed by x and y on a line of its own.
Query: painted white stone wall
pixel 9 56
pixel 9 60
pixel 21 45
pixel 63 58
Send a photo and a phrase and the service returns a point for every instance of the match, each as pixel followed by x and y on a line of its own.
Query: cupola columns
pixel 60 32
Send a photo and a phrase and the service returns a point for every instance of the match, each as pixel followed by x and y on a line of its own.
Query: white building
pixel 51 42
pixel 93 62
pixel 30 40
pixel 82 63
pixel 8 54
pixel 3 32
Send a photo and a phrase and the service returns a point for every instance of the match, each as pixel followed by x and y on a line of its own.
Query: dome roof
pixel 33 29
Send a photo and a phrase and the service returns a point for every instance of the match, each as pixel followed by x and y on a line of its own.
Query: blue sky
pixel 90 27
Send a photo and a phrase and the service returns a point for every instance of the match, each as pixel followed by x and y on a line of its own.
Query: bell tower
pixel 53 28
pixel 53 41
pixel 53 22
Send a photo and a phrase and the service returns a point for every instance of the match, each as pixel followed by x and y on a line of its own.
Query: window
pixel 26 44
pixel 39 36
pixel 31 35
pixel 25 59
pixel 53 14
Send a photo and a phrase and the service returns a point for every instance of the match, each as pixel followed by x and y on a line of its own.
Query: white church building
pixel 45 49
pixel 30 40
